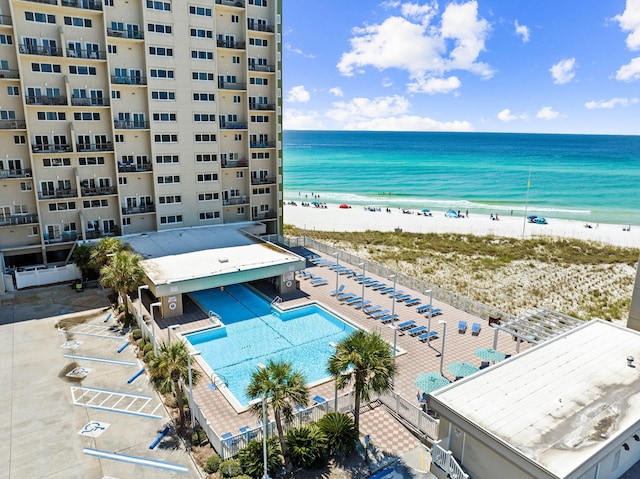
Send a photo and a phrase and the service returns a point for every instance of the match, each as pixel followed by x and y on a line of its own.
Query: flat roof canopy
pixel 559 403
pixel 192 259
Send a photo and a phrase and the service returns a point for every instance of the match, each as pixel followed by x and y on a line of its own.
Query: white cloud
pixel 336 91
pixel 364 108
pixel 415 43
pixel 298 94
pixel 629 21
pixel 630 71
pixel 563 71
pixel 506 115
pixel 301 120
pixel 522 31
pixel 297 51
pixel 608 104
pixel 434 85
pixel 387 82
pixel 547 113
pixel 409 123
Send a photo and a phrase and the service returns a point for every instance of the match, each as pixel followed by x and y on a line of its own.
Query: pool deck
pixel 418 357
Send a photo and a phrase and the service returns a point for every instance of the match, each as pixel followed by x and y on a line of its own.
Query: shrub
pixel 306 446
pixel 243 476
pixel 340 432
pixel 252 462
pixel 147 347
pixel 136 334
pixel 149 356
pixel 213 464
pixel 230 468
pixel 198 436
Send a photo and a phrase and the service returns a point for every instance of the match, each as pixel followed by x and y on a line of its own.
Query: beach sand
pixel 357 218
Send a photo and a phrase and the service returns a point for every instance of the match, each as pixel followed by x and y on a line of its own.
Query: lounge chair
pixel 389 318
pixel 397 294
pixel 424 308
pixel 371 284
pixel 353 300
pixel 335 292
pixel 248 432
pixel 386 290
pixel 417 330
pixel 412 301
pixel 424 337
pixel 436 312
pixel 378 286
pixel 345 296
pixel 229 439
pixel 363 280
pixel 319 282
pixel 345 271
pixel 319 400
pixel 361 304
pixel 402 298
pixel 475 329
pixel 358 276
pixel 372 309
pixel 462 327
pixel 406 325
pixel 379 314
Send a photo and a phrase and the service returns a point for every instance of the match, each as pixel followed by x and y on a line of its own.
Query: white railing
pixel 445 461
pixel 413 415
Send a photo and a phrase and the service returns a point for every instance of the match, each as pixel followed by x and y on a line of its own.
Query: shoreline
pixel 357 218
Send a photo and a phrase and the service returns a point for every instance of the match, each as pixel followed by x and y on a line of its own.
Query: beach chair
pixel 389 318
pixel 397 294
pixel 462 327
pixel 436 312
pixel 345 271
pixel 335 292
pixel 386 290
pixel 412 301
pixel 424 337
pixel 378 286
pixel 229 439
pixel 371 284
pixel 363 280
pixel 402 298
pixel 406 325
pixel 423 309
pixel 345 296
pixel 319 400
pixel 353 300
pixel 361 304
pixel 379 314
pixel 358 276
pixel 475 329
pixel 248 433
pixel 372 309
pixel 417 330
pixel 319 282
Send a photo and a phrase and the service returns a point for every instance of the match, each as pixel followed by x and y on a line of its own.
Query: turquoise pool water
pixel 253 334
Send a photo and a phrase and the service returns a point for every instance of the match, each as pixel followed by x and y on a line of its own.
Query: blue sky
pixel 539 66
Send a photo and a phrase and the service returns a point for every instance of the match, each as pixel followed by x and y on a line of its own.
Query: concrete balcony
pixel 23 173
pixel 262 106
pixel 231 44
pixel 61 148
pixel 12 125
pixel 231 86
pixel 263 181
pixel 84 4
pixel 259 27
pixel 108 146
pixel 5 20
pixel 10 74
pixel 57 193
pixel 242 200
pixel 13 220
pixel 75 101
pixel 228 125
pixel 138 209
pixel 98 191
pixel 46 100
pixel 45 51
pixel 130 34
pixel 87 54
pixel 231 3
pixel 262 144
pixel 127 80
pixel 47 2
pixel 130 125
pixel 131 168
pixel 262 68
pixel 241 163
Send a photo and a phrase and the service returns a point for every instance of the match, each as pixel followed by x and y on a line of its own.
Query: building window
pixel 81 70
pixel 113 49
pixel 164 117
pixel 19 139
pixel 241 210
pixel 167 159
pixel 211 196
pixel 163 95
pixel 206 157
pixel 63 206
pixel 258 42
pixel 45 68
pixel 239 174
pixel 159 28
pixel 11 115
pixel 56 162
pixel 86 116
pixel 78 22
pixel 163 6
pixel 201 33
pixel 258 81
pixel 170 199
pixel 39 17
pixel 122 180
pixel 91 161
pixel 168 180
pixel 259 119
pixel 170 219
pixel 204 97
pixel 206 177
pixel 51 115
pixel 161 51
pixel 95 204
pixel 235 59
pixel 6 39
pixel 209 215
pixel 237 99
pixel 201 55
pixel 13 91
pixel 260 156
pixel 205 137
pixel 206 117
pixel 201 11
pixel 119 138
pixel 26 186
pixel 237 137
pixel 262 191
pixel 202 76
pixel 166 138
pixel 108 3
pixel 162 74
pixel 115 94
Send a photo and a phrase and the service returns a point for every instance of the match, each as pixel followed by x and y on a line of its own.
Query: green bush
pixel 198 436
pixel 149 356
pixel 147 347
pixel 243 476
pixel 306 446
pixel 213 464
pixel 230 468
pixel 136 334
pixel 340 431
pixel 251 458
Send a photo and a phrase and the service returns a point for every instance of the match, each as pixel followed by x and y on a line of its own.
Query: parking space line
pixel 100 360
pixel 124 403
pixel 141 461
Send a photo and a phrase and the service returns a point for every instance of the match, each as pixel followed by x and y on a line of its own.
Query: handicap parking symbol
pixel 94 428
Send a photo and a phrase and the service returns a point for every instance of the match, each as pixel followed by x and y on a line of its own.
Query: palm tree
pixel 284 388
pixel 82 258
pixel 364 359
pixel 100 253
pixel 171 367
pixel 123 274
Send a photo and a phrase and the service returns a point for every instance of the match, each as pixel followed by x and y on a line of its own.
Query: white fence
pixel 445 461
pixel 43 275
pixel 413 415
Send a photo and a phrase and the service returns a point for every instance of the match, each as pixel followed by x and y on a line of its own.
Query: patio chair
pixel 406 325
pixel 462 327
pixel 389 318
pixel 335 292
pixel 379 314
pixel 229 439
pixel 248 433
pixel 436 312
pixel 319 399
pixel 412 301
pixel 424 308
pixel 475 329
pixel 378 286
pixel 353 300
pixel 397 294
pixel 372 309
pixel 417 330
pixel 363 280
pixel 402 298
pixel 345 296
pixel 425 337
pixel 319 282
pixel 361 304
pixel 371 284
pixel 385 290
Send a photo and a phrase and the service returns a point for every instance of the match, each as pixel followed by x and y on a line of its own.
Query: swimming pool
pixel 254 334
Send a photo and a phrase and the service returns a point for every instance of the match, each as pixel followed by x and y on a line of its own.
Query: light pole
pixel 264 429
pixel 393 295
pixel 153 326
pixel 444 333
pixel 395 341
pixel 140 288
pixel 362 265
pixel 193 419
pixel 337 255
pixel 430 315
pixel 169 329
pixel 335 396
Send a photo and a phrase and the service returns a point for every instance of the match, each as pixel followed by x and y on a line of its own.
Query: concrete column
pixel 634 312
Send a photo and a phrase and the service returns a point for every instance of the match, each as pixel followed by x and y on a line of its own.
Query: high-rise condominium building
pixel 129 116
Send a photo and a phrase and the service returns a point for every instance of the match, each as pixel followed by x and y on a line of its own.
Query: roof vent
pixel 630 361
pixel 226 260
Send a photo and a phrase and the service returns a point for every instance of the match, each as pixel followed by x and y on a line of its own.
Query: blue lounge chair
pixel 424 337
pixel 363 280
pixel 372 309
pixel 371 284
pixel 402 298
pixel 417 330
pixel 319 400
pixel 345 271
pixel 378 286
pixel 397 294
pixel 353 300
pixel 361 304
pixel 423 309
pixel 412 301
pixel 358 276
pixel 435 312
pixel 388 318
pixel 406 325
pixel 229 439
pixel 475 329
pixel 379 314
pixel 345 296
pixel 248 433
pixel 335 292
pixel 319 282
pixel 462 327
pixel 386 290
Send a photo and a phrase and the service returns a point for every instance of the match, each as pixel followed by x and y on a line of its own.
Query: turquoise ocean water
pixel 589 178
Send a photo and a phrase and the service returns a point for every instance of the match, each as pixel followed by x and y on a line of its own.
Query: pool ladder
pixel 214 316
pixel 276 300
pixel 219 380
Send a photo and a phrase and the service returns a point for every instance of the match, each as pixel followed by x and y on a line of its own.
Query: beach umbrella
pixel 532 217
pixel 462 369
pixel 429 382
pixel 451 214
pixel 489 354
pixel 426 210
pixel 344 206
pixel 315 203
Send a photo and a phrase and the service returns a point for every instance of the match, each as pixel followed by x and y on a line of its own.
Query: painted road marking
pixel 141 461
pixel 94 428
pixel 71 344
pixel 100 360
pixel 96 330
pixel 115 401
pixel 79 372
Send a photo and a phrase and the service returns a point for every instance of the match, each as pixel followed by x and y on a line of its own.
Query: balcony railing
pixel 36 50
pixel 108 146
pixel 12 125
pixel 9 74
pixel 232 44
pixel 232 86
pixel 263 181
pixel 259 27
pixel 133 34
pixel 48 2
pixel 5 20
pixel 57 193
pixel 262 106
pixel 98 191
pixel 138 209
pixel 131 168
pixel 11 220
pixel 228 125
pixel 86 4
pixel 262 144
pixel 127 80
pixel 269 215
pixel 61 148
pixel 88 54
pixel 262 68
pixel 22 173
pixel 76 101
pixel 95 234
pixel 242 200
pixel 231 3
pixel 241 163
pixel 130 125
pixel 45 100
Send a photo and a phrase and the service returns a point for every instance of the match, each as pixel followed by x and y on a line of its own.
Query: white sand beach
pixel 333 218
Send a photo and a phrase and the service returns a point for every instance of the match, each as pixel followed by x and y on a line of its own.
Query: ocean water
pixel 591 178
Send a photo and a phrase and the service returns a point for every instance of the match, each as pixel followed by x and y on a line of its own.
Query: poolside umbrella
pixel 429 382
pixel 489 354
pixel 462 369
